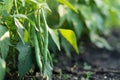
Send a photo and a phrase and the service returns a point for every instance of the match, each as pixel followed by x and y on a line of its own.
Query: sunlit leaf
pixel 2 69
pixel 25 58
pixel 69 35
pixel 65 2
pixel 26 36
pixel 4 41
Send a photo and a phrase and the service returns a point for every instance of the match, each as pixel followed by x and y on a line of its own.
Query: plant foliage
pixel 24 23
pixel 26 27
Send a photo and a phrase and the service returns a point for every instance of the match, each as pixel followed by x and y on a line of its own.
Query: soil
pixel 92 63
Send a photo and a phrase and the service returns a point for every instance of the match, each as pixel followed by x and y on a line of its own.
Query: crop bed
pixel 104 64
pixel 91 64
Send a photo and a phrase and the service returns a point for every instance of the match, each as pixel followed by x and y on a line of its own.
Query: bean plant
pixel 24 31
pixel 89 19
pixel 27 27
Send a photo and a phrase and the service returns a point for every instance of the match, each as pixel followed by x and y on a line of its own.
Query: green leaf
pixel 65 2
pixel 4 41
pixel 6 5
pixel 25 58
pixel 19 29
pixel 75 21
pixel 48 71
pixel 1 0
pixel 98 21
pixel 2 69
pixel 99 41
pixel 55 37
pixel 66 46
pixel 86 11
pixel 69 35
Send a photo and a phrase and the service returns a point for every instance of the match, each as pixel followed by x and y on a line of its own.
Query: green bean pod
pixel 45 37
pixel 49 57
pixel 37 51
pixel 39 34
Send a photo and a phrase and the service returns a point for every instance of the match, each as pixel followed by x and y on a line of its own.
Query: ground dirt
pixel 92 63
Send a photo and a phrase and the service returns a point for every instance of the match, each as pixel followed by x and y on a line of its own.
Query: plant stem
pixel 16 7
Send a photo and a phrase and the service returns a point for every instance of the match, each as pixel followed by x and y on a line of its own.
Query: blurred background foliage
pixel 87 18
